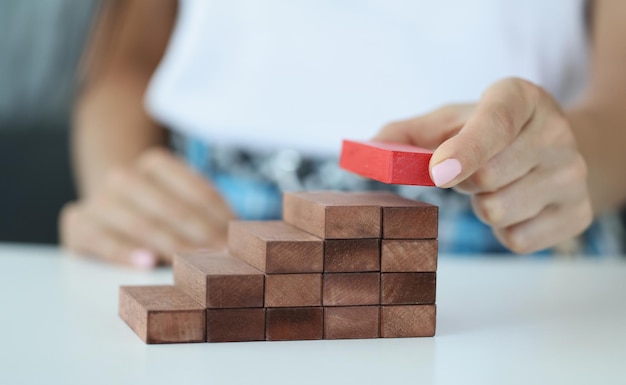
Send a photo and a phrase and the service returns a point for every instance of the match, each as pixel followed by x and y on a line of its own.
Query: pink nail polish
pixel 143 259
pixel 445 171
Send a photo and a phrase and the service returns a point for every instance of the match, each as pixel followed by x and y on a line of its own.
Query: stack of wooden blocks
pixel 339 265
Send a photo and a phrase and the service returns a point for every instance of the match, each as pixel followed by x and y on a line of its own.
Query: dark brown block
pixel 276 247
pixel 408 219
pixel 162 314
pixel 285 324
pixel 408 288
pixel 351 255
pixel 407 255
pixel 408 321
pixel 293 290
pixel 217 280
pixel 233 325
pixel 351 322
pixel 349 289
pixel 333 214
pixel 405 218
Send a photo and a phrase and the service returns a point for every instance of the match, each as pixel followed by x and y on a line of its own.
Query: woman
pixel 260 95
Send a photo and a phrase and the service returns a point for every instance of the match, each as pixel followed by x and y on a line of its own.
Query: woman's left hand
pixel 515 153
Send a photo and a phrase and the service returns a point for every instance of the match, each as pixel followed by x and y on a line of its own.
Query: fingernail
pixel 143 259
pixel 445 171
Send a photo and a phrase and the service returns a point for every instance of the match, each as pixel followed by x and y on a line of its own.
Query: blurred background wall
pixel 41 42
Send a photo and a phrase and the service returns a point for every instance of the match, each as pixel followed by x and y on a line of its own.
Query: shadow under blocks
pixel 339 265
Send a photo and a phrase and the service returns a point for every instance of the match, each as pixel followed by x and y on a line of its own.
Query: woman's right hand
pixel 145 213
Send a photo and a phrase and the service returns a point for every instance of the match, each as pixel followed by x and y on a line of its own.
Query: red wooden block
pixel 408 321
pixel 351 255
pixel 217 280
pixel 387 162
pixel 351 322
pixel 233 325
pixel 162 314
pixel 293 290
pixel 349 289
pixel 276 247
pixel 288 324
pixel 408 255
pixel 408 288
pixel 333 214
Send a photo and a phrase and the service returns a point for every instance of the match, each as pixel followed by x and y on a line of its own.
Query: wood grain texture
pixel 402 255
pixel 276 247
pixel 286 324
pixel 162 314
pixel 293 290
pixel 217 280
pixel 408 288
pixel 387 162
pixel 408 321
pixel 235 325
pixel 333 214
pixel 350 289
pixel 404 218
pixel 351 322
pixel 351 255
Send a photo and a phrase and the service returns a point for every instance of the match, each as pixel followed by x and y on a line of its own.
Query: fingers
pixel 89 238
pixel 530 195
pixel 177 178
pixel 145 213
pixel 430 130
pixel 117 218
pixel 553 225
pixel 545 207
pixel 151 201
pixel 502 113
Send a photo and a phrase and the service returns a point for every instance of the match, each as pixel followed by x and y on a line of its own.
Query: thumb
pixel 504 109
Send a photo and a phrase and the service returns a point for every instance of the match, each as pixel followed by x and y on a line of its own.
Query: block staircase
pixel 339 265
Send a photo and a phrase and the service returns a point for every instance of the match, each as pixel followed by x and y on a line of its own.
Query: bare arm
pixel 111 127
pixel 599 122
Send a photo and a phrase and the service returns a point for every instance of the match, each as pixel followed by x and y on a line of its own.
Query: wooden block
pixel 387 162
pixel 351 322
pixel 351 255
pixel 406 218
pixel 276 247
pixel 333 214
pixel 233 325
pixel 293 290
pixel 217 280
pixel 407 255
pixel 418 222
pixel 408 321
pixel 162 314
pixel 350 289
pixel 408 288
pixel 286 324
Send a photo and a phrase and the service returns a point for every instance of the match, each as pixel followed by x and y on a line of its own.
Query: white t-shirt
pixel 305 74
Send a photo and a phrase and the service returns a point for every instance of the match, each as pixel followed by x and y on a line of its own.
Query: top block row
pixel 350 215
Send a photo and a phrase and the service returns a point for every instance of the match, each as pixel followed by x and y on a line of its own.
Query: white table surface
pixel 500 321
